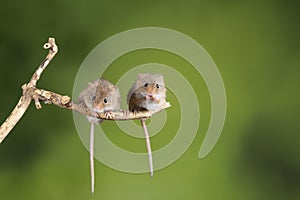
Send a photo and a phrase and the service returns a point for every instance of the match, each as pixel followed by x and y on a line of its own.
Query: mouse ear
pixel 115 87
pixel 90 83
pixel 160 79
pixel 140 80
pixel 94 83
pixel 141 76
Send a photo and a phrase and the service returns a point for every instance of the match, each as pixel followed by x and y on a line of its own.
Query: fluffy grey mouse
pixel 99 96
pixel 147 93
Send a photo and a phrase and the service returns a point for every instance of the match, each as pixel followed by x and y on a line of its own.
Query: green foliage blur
pixel 255 44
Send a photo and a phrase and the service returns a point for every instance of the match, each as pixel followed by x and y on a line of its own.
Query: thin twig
pixel 26 98
pixel 64 101
pixel 30 92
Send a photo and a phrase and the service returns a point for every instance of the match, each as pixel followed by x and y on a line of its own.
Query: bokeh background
pixel 255 44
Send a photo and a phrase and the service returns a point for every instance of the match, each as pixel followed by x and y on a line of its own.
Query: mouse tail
pixel 143 121
pixel 92 156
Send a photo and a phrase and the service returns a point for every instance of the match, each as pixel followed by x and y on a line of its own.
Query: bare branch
pixel 25 99
pixel 30 92
pixel 53 49
pixel 65 102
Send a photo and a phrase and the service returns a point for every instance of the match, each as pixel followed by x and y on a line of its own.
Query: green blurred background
pixel 256 47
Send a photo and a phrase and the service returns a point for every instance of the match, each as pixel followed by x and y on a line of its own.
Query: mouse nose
pixel 150 91
pixel 98 107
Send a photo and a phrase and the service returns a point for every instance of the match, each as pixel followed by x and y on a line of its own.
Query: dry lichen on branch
pixel 30 92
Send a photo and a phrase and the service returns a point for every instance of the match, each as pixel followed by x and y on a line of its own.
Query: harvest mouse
pixel 99 96
pixel 147 93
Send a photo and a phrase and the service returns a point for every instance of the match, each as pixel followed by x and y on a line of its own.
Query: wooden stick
pixel 26 98
pixel 30 92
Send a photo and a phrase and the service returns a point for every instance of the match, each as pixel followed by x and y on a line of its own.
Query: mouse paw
pixel 109 115
pixel 126 112
pixel 135 112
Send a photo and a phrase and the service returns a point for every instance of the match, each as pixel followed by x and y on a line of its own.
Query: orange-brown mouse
pixel 99 96
pixel 147 93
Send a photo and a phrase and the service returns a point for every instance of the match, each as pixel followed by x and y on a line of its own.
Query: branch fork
pixel 31 92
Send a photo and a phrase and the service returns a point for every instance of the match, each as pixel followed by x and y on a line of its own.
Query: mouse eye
pixel 93 98
pixel 105 100
pixel 157 86
pixel 146 85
